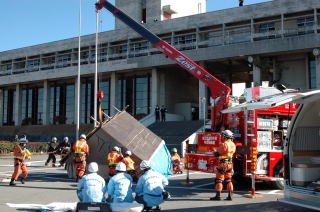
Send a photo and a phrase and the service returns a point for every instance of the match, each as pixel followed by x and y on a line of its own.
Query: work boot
pixel 229 196
pixel 22 180
pixel 12 183
pixel 158 208
pixel 147 209
pixel 53 165
pixel 217 197
pixel 46 164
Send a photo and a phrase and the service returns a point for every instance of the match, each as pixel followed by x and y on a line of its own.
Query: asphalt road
pixel 46 185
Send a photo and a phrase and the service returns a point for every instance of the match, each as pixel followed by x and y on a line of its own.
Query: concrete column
pixel 154 89
pixel 1 107
pixel 318 70
pixel 162 88
pixel 17 118
pixel 256 75
pixel 113 93
pixel 203 95
pixel 46 103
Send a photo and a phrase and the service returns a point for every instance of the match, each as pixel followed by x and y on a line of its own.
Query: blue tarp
pixel 161 161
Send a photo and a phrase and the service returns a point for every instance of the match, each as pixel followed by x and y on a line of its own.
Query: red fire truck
pixel 259 133
pixel 259 137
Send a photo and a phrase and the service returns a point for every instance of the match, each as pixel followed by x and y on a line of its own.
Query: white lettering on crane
pixel 184 62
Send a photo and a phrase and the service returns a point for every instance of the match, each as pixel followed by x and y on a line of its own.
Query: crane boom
pixel 218 90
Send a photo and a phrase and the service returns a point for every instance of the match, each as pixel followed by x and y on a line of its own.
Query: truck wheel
pixel 279 173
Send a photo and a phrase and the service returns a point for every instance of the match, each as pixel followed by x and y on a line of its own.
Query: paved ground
pixel 46 185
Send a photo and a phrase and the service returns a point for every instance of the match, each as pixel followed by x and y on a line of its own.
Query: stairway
pixel 174 132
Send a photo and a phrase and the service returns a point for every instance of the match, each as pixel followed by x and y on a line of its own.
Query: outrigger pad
pixel 93 206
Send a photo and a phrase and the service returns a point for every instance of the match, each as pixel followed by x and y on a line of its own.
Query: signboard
pixel 264 141
pixel 208 140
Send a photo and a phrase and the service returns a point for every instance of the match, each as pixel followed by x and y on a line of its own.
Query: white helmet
pixel 54 139
pixel 93 167
pixel 66 139
pixel 227 134
pixel 145 164
pixel 121 167
pixel 128 153
pixel 115 148
pixel 83 136
pixel 23 140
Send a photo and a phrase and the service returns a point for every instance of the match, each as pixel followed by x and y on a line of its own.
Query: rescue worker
pixel 224 170
pixel 64 150
pixel 113 159
pixel 130 165
pixel 92 187
pixel 51 152
pixel 175 158
pixel 20 153
pixel 81 151
pixel 120 185
pixel 150 187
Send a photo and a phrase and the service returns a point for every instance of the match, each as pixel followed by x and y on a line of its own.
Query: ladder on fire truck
pixel 251 143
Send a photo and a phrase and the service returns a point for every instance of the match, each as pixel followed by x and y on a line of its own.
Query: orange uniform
pixel 113 159
pixel 224 170
pixel 175 158
pixel 129 163
pixel 20 154
pixel 81 150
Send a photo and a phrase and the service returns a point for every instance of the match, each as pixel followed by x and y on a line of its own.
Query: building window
pixel 266 27
pixel 312 73
pixel 31 106
pixel 105 103
pixel 62 104
pixel 305 25
pixel 134 94
pixel 8 111
pixel 118 52
pixel 138 49
pixel 142 96
pixel 63 60
pixel 87 100
pixel 33 65
pixel 186 41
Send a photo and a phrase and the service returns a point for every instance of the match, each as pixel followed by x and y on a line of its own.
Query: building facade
pixel 276 41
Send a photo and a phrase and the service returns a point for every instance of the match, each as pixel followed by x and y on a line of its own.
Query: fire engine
pixel 259 133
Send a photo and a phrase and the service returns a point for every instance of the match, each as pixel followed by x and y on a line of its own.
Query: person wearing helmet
pixel 20 153
pixel 52 150
pixel 224 170
pixel 92 187
pixel 176 160
pixel 150 187
pixel 81 151
pixel 130 165
pixel 120 185
pixel 64 150
pixel 113 158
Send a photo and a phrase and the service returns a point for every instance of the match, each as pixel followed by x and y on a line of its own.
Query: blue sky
pixel 31 22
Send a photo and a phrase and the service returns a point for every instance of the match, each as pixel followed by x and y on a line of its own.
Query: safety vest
pixel 175 158
pixel 114 158
pixel 227 150
pixel 79 147
pixel 129 163
pixel 20 153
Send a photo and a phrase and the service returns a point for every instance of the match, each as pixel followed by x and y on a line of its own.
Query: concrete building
pixel 276 41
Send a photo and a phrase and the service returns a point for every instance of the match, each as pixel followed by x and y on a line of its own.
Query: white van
pixel 301 148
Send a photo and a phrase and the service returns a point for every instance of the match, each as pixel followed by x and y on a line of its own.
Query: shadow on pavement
pixel 253 207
